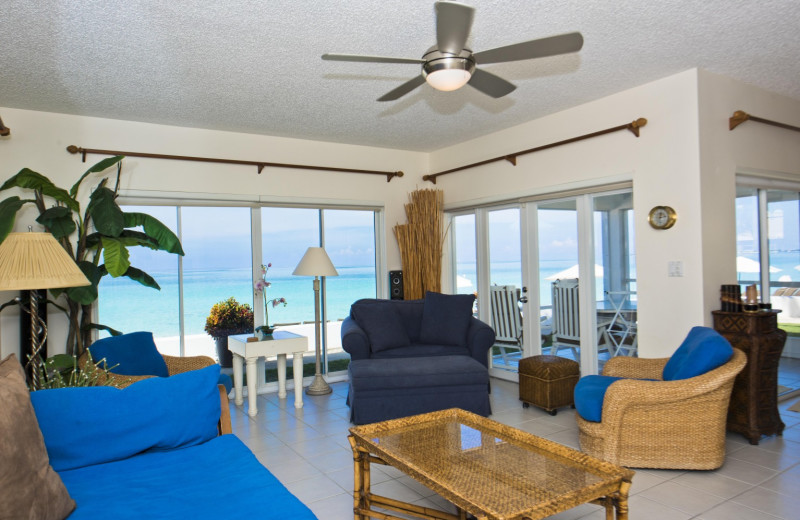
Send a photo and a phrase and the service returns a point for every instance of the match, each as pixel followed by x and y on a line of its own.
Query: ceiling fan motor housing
pixel 436 60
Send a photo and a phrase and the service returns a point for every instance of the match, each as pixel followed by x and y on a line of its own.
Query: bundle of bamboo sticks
pixel 421 241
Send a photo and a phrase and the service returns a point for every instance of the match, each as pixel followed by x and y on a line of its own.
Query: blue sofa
pixel 416 356
pixel 159 448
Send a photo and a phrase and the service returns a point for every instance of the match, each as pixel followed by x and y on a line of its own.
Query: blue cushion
pixel 382 324
pixel 589 394
pixel 217 479
pixel 93 425
pixel 445 318
pixel 135 354
pixel 226 381
pixel 702 351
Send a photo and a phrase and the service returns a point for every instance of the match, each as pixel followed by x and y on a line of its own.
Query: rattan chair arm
pixel 121 381
pixel 629 393
pixel 178 365
pixel 635 368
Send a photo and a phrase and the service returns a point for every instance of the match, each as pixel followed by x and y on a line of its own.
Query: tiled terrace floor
pixel 307 450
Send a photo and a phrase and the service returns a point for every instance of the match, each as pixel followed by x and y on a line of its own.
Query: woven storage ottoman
pixel 547 382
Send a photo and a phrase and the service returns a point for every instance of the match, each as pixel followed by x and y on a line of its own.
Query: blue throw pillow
pixel 589 394
pixel 134 354
pixel 703 350
pixel 382 324
pixel 445 318
pixel 93 425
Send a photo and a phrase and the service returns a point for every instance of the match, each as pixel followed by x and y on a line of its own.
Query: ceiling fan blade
pixel 490 84
pixel 552 46
pixel 369 59
pixel 403 89
pixel 453 23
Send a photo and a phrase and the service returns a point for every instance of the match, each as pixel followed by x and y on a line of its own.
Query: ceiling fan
pixel 449 65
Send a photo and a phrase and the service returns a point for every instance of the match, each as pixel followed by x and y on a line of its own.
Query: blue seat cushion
pixel 220 478
pixel 159 413
pixel 419 350
pixel 703 350
pixel 445 318
pixel 417 372
pixel 382 324
pixel 226 381
pixel 134 354
pixel 589 394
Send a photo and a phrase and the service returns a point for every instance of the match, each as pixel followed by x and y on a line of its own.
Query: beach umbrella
pixel 572 272
pixel 745 265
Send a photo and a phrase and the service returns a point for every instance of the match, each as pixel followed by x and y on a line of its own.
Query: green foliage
pixel 103 231
pixel 229 317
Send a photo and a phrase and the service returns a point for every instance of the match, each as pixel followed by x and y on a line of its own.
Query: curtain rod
pixel 4 130
pixel 259 164
pixel 741 116
pixel 512 158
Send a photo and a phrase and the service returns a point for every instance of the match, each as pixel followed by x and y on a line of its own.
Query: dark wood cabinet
pixel 753 411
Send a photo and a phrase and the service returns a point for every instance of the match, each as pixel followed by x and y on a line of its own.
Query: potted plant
pixel 260 286
pixel 226 318
pixel 97 238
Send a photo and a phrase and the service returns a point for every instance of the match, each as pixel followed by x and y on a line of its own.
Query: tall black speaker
pixel 396 285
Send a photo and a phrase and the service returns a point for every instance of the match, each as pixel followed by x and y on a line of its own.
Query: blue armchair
pixel 385 329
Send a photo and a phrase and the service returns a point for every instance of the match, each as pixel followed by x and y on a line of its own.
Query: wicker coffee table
pixel 485 468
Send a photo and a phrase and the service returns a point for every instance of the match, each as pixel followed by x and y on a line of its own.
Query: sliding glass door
pixel 560 277
pixel 768 249
pixel 225 247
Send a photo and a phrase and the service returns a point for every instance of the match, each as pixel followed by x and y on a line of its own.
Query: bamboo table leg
pixel 621 502
pixel 360 480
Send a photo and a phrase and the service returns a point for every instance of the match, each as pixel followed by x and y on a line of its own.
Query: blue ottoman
pixel 382 389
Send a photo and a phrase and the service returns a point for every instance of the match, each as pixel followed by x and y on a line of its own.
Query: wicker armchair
pixel 662 424
pixel 175 365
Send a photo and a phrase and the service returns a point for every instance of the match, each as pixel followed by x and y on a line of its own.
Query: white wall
pixel 39 142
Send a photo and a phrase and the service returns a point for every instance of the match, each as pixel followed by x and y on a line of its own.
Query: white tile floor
pixel 307 450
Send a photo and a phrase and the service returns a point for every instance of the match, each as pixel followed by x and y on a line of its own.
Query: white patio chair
pixel 566 319
pixel 506 318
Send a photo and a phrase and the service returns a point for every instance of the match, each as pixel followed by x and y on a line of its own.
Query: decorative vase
pixel 223 354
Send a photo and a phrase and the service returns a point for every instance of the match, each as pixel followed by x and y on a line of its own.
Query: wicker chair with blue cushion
pixel 134 356
pixel 661 413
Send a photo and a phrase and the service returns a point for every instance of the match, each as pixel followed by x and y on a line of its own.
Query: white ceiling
pixel 254 65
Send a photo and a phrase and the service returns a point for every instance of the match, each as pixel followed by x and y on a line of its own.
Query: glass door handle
pixel 523 299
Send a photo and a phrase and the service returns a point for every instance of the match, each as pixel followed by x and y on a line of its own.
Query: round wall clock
pixel 662 217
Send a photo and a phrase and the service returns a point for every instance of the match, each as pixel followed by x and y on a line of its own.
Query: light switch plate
pixel 675 268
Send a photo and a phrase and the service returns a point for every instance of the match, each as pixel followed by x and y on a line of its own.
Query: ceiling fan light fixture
pixel 448 74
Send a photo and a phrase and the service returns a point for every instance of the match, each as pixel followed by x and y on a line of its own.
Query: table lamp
pixel 316 263
pixel 30 261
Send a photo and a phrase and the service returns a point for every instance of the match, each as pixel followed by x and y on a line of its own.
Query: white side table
pixel 280 344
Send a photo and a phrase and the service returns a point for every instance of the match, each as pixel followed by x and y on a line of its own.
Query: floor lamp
pixel 316 263
pixel 30 261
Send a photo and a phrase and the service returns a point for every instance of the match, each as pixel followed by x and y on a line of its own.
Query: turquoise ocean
pixel 128 306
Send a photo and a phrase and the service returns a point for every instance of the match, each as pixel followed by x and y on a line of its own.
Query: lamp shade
pixel 315 263
pixel 31 261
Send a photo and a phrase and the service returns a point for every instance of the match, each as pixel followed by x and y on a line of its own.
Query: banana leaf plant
pixel 97 239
